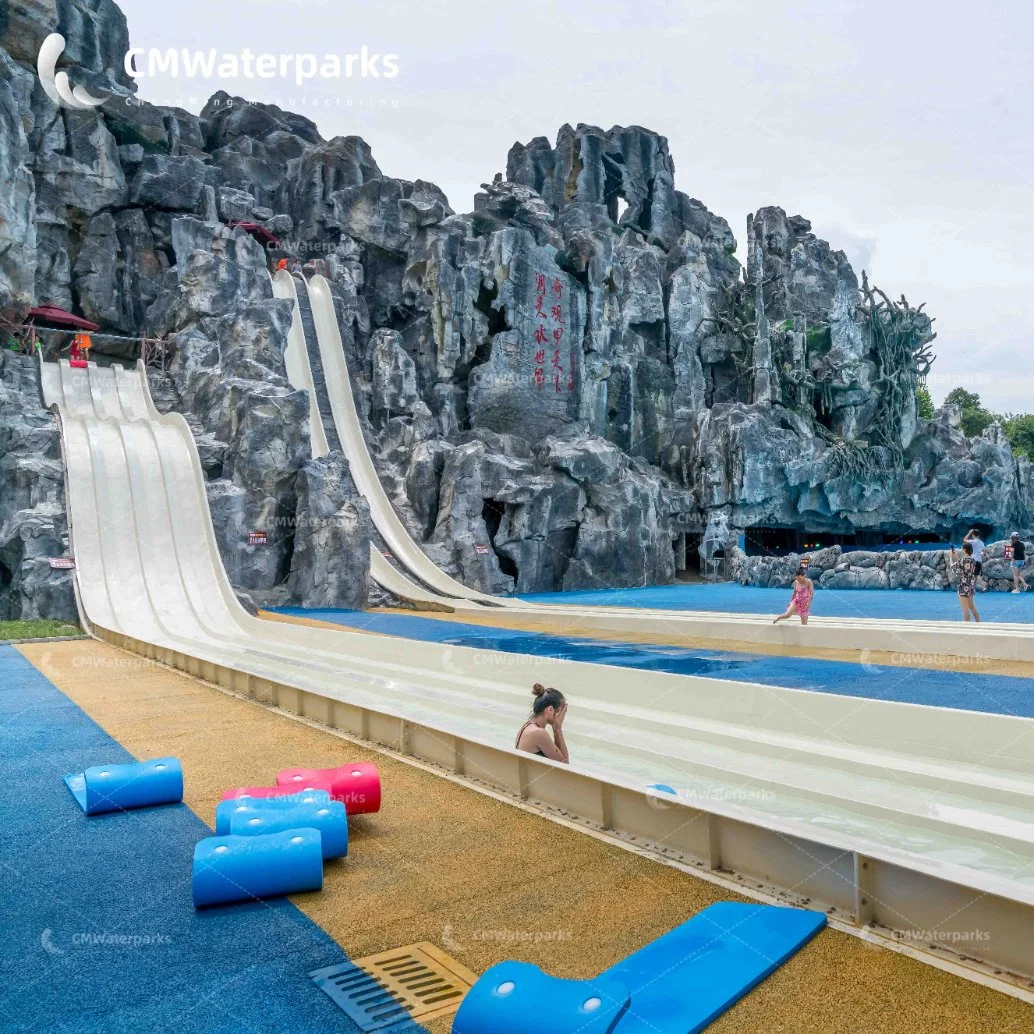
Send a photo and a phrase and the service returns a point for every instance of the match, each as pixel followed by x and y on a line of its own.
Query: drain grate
pixel 394 989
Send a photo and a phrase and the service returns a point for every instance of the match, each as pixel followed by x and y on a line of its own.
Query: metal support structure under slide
pixel 912 818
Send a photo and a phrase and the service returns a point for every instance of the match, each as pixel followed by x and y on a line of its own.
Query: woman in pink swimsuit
pixel 800 601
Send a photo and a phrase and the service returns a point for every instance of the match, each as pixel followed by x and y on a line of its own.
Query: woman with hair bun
pixel 549 709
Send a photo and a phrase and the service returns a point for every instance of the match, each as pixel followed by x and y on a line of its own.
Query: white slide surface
pixel 350 431
pixel 947 793
pixel 299 375
pixel 296 360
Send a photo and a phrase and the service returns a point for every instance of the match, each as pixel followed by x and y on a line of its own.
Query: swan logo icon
pixel 56 83
pixel 48 943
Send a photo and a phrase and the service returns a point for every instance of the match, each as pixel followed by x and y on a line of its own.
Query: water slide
pixel 945 794
pixel 999 640
pixel 350 431
pixel 298 362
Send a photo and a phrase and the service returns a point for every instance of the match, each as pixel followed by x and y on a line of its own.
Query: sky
pixel 902 130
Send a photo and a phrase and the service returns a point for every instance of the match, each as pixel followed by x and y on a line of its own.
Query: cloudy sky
pixel 902 129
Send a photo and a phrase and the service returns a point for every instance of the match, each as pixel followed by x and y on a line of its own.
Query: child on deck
pixel 800 601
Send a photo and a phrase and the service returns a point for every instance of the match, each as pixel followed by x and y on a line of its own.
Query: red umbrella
pixel 52 314
pixel 259 232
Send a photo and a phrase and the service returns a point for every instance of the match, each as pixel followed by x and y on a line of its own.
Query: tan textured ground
pixel 445 864
pixel 884 659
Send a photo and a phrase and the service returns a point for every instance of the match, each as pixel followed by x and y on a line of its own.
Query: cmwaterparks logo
pixel 143 63
pixel 56 84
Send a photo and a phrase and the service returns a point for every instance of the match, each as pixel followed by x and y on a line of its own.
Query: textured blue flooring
pixel 99 933
pixel 844 603
pixel 999 694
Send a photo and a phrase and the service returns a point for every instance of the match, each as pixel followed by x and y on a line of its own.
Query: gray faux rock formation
pixel 227 371
pixel 330 566
pixel 573 377
pixel 835 568
pixel 33 528
pixel 18 197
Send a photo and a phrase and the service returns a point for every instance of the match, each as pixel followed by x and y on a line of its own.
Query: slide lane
pixel 300 375
pixel 296 360
pixel 948 793
pixel 350 431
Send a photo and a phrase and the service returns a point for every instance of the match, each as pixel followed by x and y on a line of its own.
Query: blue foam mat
pixel 119 787
pixel 688 977
pixel 240 868
pixel 100 934
pixel 678 984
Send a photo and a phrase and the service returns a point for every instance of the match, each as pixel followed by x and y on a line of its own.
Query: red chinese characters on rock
pixel 550 330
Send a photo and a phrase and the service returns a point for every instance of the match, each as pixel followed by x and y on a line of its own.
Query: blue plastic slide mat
pixel 243 868
pixel 260 816
pixel 99 932
pixel 141 784
pixel 678 984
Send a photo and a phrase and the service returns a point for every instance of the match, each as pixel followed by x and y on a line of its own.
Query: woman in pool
pixel 549 709
pixel 800 601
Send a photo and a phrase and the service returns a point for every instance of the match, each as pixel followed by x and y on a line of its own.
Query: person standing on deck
pixel 1018 561
pixel 967 571
pixel 800 601
pixel 974 539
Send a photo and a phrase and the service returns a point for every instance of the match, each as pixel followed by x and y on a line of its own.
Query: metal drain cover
pixel 393 990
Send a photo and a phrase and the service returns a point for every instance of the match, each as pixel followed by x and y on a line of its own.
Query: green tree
pixel 1019 430
pixel 962 398
pixel 975 421
pixel 924 403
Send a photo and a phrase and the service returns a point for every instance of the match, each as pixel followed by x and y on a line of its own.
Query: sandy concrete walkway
pixel 486 881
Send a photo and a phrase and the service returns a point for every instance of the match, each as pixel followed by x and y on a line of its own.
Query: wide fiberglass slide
pixel 946 792
pixel 350 431
pixel 299 375
pixel 999 640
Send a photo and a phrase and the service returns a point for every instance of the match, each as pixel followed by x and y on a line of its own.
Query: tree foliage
pixel 976 420
pixel 1018 427
pixel 962 398
pixel 1020 432
pixel 924 403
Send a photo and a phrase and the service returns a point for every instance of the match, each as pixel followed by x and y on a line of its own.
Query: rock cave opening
pixel 496 317
pixel 823 413
pixel 687 553
pixel 492 512
pixel 774 541
pixel 6 580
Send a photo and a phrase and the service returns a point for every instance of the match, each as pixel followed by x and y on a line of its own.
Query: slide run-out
pixel 816 793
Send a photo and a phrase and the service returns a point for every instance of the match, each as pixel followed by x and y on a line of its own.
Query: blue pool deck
pixel 936 605
pixel 100 933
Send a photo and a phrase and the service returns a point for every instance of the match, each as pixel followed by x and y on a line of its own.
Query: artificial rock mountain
pixel 576 374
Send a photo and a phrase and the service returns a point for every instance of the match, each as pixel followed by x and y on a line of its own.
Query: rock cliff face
pixel 32 500
pixel 574 377
pixel 836 568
